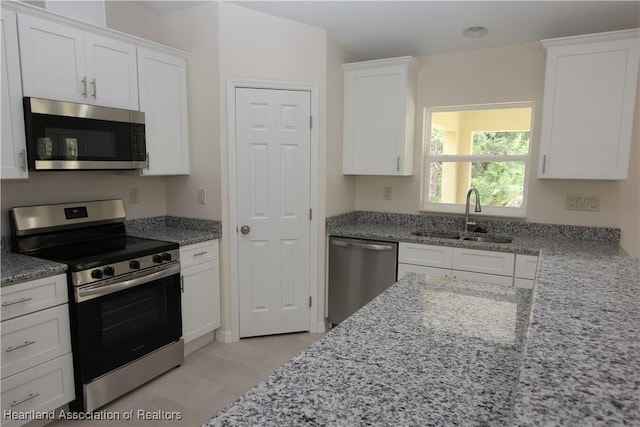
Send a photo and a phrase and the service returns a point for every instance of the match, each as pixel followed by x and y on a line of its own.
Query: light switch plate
pixel 202 196
pixel 134 195
pixel 386 193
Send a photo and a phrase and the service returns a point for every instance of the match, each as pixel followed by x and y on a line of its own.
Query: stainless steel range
pixel 124 293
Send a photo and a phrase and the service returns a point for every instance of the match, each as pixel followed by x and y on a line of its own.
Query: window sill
pixel 487 211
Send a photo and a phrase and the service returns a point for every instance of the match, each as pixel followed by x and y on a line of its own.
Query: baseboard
pixel 199 342
pixel 226 336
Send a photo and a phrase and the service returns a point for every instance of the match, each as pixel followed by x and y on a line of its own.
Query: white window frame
pixel 427 158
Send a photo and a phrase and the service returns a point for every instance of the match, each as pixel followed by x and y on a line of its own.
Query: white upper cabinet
pixel 379 113
pixel 589 101
pixel 13 155
pixel 65 63
pixel 163 98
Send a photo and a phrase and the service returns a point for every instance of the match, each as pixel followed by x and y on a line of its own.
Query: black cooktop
pixel 107 251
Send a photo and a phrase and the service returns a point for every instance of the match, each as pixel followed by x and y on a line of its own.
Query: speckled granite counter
pixel 580 365
pixel 18 268
pixel 185 231
pixel 439 352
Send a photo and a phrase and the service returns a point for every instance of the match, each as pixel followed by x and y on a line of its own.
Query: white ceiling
pixel 382 29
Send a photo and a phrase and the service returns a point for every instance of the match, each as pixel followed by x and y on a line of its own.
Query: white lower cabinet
pixel 200 289
pixel 37 365
pixel 526 271
pixel 500 268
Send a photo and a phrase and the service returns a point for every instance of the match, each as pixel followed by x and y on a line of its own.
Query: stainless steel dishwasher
pixel 359 270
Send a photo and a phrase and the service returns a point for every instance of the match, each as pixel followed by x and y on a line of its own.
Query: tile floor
pixel 210 379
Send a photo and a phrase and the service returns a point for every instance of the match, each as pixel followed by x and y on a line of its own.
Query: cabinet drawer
pixel 484 278
pixel 33 339
pixel 43 388
pixel 421 269
pixel 480 261
pixel 426 255
pixel 199 252
pixel 526 266
pixel 34 295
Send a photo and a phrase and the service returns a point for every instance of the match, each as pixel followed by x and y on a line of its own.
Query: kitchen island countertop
pixel 435 352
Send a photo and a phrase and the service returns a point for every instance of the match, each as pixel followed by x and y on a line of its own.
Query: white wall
pixel 511 73
pixel 341 189
pixel 255 45
pixel 201 43
pixel 132 18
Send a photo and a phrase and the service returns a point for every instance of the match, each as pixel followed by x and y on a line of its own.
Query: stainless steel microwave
pixel 68 136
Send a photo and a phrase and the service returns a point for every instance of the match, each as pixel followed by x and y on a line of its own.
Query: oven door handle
pixel 90 292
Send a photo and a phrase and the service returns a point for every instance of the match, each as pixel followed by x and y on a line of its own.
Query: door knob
pixel 245 229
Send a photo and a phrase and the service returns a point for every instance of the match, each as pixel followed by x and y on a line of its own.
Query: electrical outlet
pixel 202 196
pixel 134 195
pixel 583 202
pixel 386 193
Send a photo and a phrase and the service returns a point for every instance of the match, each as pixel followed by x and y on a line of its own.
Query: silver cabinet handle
pixel 25 344
pixel 398 164
pixel 245 229
pixel 31 396
pixel 147 160
pixel 4 304
pixel 369 246
pixel 200 253
pixel 23 160
pixel 95 88
pixel 544 163
pixel 84 85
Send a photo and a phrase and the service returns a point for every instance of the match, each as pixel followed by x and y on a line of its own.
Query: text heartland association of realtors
pixel 139 414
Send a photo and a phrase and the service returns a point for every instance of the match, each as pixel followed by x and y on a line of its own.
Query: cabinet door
pixel 588 111
pixel 480 261
pixel 526 266
pixel 425 255
pixel 112 72
pixel 36 338
pixel 162 81
pixel 379 117
pixel 13 155
pixel 43 388
pixel 200 300
pixel 53 61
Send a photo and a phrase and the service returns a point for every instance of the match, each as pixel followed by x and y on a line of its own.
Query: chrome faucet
pixel 478 208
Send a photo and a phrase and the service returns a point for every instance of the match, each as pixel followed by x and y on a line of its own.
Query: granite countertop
pixel 17 268
pixel 184 231
pixel 580 364
pixel 435 352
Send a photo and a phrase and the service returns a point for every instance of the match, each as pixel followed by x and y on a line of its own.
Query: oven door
pixel 119 327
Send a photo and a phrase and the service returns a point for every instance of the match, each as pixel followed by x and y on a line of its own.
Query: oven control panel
pixel 114 270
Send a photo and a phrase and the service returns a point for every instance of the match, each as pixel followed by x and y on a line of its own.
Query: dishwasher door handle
pixel 367 246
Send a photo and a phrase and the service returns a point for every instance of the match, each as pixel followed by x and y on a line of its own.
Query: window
pixel 485 147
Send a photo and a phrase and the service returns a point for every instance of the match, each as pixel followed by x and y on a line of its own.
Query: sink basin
pixel 436 235
pixel 489 239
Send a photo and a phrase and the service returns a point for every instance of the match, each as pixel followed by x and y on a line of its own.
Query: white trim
pixel 315 324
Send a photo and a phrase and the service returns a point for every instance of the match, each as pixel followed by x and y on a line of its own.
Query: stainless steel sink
pixel 436 235
pixel 489 239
